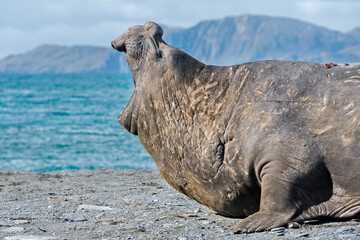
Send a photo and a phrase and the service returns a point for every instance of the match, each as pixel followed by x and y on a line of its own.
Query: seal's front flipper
pixel 260 222
pixel 292 190
pixel 277 206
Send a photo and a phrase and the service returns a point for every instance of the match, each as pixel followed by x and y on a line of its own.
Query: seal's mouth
pixel 128 118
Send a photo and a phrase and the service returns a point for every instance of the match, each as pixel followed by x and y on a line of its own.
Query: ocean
pixel 54 122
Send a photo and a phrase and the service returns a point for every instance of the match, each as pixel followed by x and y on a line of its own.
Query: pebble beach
pixel 124 204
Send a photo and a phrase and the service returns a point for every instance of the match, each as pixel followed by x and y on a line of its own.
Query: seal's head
pixel 141 46
pixel 140 43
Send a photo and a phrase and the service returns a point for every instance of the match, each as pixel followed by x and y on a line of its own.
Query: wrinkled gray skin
pixel 272 141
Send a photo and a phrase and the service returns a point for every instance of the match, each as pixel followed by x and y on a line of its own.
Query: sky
pixel 26 24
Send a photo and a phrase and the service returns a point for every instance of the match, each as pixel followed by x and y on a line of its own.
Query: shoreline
pixel 122 204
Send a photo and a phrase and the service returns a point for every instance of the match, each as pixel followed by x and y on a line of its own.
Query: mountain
pixel 232 40
pixel 61 59
pixel 235 40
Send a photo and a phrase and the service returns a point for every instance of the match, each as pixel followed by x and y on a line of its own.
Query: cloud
pixel 18 40
pixel 26 24
pixel 338 15
pixel 311 7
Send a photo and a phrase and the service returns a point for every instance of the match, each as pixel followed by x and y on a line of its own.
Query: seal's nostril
pixel 112 44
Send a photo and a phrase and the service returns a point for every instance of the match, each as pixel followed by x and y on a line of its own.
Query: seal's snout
pixel 119 44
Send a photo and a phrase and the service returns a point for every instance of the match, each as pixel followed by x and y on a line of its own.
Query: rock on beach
pixel 116 204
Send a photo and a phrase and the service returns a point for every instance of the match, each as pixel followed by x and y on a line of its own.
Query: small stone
pixel 293 225
pixel 278 229
pixel 20 221
pixel 280 233
pixel 310 221
pixel 182 238
pixel 30 238
pixel 349 236
pixel 167 225
pixel 197 210
pixel 95 207
pixel 205 222
pixel 112 222
pixel 225 235
pixel 127 200
pixel 4 224
pixel 78 219
pixel 100 215
pixel 302 235
pixel 345 229
pixel 13 229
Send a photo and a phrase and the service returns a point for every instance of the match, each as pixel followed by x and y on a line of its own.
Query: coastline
pixel 122 204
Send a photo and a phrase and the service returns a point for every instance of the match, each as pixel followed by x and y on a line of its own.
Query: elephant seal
pixel 270 141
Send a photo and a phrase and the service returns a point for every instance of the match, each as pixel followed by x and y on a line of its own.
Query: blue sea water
pixel 66 122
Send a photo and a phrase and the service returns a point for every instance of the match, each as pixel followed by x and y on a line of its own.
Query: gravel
pixel 115 204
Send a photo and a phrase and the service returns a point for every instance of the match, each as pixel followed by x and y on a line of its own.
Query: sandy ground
pixel 132 204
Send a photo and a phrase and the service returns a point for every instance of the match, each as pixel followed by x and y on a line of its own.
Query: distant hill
pixel 232 40
pixel 61 59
